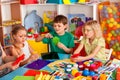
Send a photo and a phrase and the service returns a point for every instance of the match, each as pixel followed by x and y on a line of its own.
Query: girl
pixel 93 42
pixel 6 67
pixel 20 45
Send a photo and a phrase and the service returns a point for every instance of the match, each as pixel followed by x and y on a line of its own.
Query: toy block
pixel 20 58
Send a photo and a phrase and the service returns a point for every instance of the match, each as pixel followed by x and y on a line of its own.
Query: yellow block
pixel 81 1
pixel 39 47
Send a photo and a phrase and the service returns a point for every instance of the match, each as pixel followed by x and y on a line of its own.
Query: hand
pixel 9 65
pixel 36 56
pixel 76 59
pixel 75 55
pixel 61 45
pixel 48 35
pixel 33 57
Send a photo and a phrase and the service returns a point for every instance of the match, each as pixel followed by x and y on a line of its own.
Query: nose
pixel 24 38
pixel 86 31
pixel 56 28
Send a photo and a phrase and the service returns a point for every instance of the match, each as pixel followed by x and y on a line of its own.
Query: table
pixel 20 71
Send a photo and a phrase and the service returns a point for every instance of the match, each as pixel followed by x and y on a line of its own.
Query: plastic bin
pixel 60 1
pixel 28 1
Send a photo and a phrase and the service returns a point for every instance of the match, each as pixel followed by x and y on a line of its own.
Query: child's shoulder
pixel 101 38
pixel 68 33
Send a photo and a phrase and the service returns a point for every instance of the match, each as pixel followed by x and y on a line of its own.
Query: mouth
pixel 57 31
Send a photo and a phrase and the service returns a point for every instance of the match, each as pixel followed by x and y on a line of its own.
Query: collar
pixel 94 41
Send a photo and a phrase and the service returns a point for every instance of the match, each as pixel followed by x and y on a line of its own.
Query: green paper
pixel 113 76
pixel 55 40
pixel 24 78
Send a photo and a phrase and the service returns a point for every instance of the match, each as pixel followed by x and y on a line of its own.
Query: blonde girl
pixel 92 41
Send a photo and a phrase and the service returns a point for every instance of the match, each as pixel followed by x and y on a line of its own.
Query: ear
pixel 66 26
pixel 14 37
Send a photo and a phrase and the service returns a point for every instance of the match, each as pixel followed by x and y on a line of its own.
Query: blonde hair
pixel 95 26
pixel 15 31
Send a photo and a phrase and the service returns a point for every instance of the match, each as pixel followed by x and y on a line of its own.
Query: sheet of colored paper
pixel 35 72
pixel 38 64
pixel 24 78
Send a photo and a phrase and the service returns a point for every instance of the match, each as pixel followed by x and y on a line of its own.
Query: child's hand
pixel 61 45
pixel 33 57
pixel 48 35
pixel 76 59
pixel 9 65
pixel 75 55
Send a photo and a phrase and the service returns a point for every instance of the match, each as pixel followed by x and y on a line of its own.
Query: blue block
pixel 60 1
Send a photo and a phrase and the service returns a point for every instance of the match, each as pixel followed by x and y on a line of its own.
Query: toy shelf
pixel 88 10
pixel 9 14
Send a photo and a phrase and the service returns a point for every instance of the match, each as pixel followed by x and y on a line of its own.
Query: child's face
pixel 59 28
pixel 21 36
pixel 89 32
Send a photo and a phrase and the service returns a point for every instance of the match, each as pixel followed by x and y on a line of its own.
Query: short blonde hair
pixel 95 26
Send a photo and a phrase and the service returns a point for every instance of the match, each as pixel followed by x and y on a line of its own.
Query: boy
pixel 60 40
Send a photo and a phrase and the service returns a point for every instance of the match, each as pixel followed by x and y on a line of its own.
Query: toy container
pixel 60 1
pixel 28 1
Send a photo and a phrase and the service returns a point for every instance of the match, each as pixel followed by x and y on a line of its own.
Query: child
pixel 92 41
pixel 65 39
pixel 6 67
pixel 20 45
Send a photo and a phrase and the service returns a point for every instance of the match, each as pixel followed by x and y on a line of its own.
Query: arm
pixel 80 47
pixel 33 56
pixel 16 55
pixel 3 53
pixel 92 55
pixel 9 65
pixel 62 46
pixel 31 49
pixel 3 66
pixel 39 38
pixel 30 59
pixel 24 62
pixel 9 58
pixel 14 51
pixel 6 58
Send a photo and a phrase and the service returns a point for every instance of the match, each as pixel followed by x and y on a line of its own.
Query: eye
pixel 20 36
pixel 59 26
pixel 88 30
pixel 25 35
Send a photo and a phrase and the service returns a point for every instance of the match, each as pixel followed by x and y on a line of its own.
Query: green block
pixel 24 78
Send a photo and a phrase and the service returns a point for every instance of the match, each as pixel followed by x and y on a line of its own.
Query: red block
pixel 34 72
pixel 75 55
pixel 118 74
pixel 18 60
pixel 28 1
